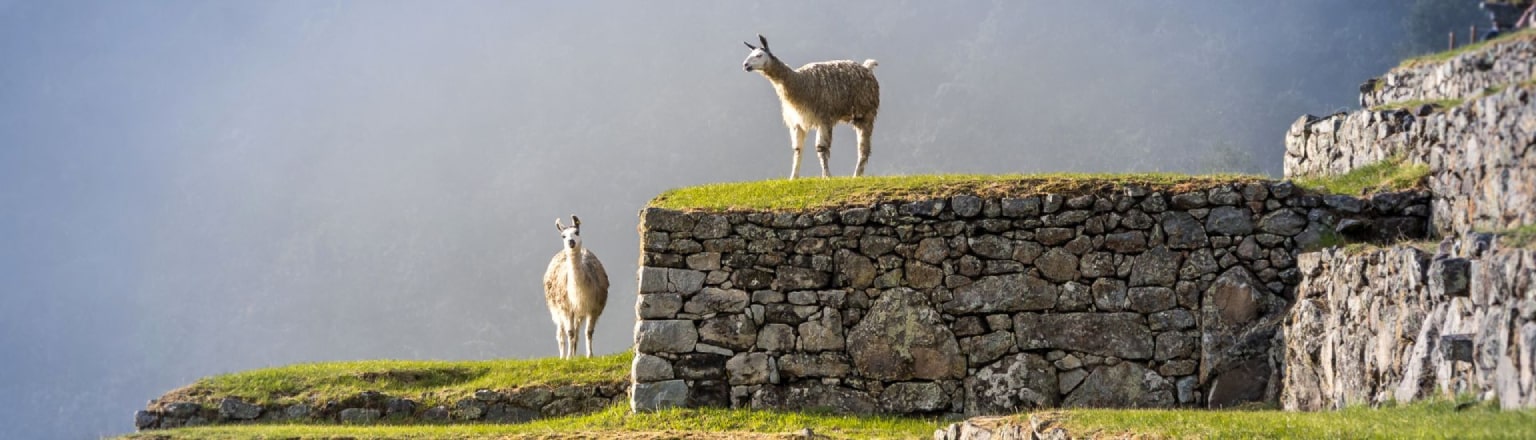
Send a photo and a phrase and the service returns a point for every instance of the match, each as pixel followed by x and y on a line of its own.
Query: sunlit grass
pixel 1521 237
pixel 1439 419
pixel 1452 53
pixel 429 382
pixel 815 193
pixel 614 422
pixel 1441 104
pixel 1392 174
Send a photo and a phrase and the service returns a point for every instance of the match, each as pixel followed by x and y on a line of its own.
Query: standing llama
pixel 818 96
pixel 576 288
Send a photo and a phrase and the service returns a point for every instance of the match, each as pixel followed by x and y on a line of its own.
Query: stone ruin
pixel 1126 296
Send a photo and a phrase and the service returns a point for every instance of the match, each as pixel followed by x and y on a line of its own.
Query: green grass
pixel 816 193
pixel 1392 174
pixel 1523 237
pixel 614 422
pixel 430 382
pixel 1414 104
pixel 1452 53
pixel 1438 419
pixel 1327 239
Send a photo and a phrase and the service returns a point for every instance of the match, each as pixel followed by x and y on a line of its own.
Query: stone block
pixel 646 397
pixel 647 368
pixel 1121 335
pixel 1123 385
pixel 1002 293
pixel 1016 383
pixel 914 397
pixel 235 409
pixel 1450 277
pixel 359 416
pixel 750 369
pixel 903 338
pixel 665 336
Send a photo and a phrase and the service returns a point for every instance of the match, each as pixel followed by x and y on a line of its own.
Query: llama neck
pixel 578 282
pixel 779 73
pixel 576 272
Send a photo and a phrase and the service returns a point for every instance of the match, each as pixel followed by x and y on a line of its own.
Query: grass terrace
pixel 428 382
pixel 817 193
pixel 1440 104
pixel 614 422
pixel 1469 48
pixel 1393 174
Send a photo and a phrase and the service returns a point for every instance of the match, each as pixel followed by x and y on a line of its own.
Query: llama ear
pixel 558 226
pixel 749 45
pixel 760 39
pixel 575 222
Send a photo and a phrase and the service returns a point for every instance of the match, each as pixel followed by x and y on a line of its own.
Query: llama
pixel 818 96
pixel 576 289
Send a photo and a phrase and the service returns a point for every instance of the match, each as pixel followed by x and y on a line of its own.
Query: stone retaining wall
pixel 1464 76
pixel 1481 155
pixel 1401 324
pixel 1125 297
pixel 498 406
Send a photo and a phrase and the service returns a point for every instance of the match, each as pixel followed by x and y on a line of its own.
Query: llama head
pixel 570 235
pixel 759 58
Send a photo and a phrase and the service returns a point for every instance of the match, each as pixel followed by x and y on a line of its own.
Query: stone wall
pixel 1400 324
pixel 1465 75
pixel 1482 155
pixel 1129 296
pixel 497 406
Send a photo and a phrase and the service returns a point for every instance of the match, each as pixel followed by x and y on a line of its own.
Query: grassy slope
pixel 614 422
pixel 430 382
pixel 815 193
pixel 1421 420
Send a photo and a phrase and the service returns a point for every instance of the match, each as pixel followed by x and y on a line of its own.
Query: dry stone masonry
pixel 1480 155
pixel 1403 324
pixel 1126 297
pixel 514 405
pixel 1465 75
pixel 1483 169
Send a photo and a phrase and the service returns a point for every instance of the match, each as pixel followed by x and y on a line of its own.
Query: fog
pixel 194 188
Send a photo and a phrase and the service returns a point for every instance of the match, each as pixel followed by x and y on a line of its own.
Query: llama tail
pixel 870 64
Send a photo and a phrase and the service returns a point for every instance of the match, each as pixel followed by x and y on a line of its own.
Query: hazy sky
pixel 190 188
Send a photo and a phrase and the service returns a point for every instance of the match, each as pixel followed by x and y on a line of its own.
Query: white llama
pixel 818 96
pixel 576 288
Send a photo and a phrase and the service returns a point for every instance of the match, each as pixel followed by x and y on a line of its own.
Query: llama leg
pixel 796 141
pixel 570 337
pixel 560 339
pixel 863 131
pixel 824 148
pixel 591 323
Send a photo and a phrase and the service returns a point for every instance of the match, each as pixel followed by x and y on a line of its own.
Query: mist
pixel 195 188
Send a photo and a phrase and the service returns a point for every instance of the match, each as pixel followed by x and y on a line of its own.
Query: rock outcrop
pixel 1401 324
